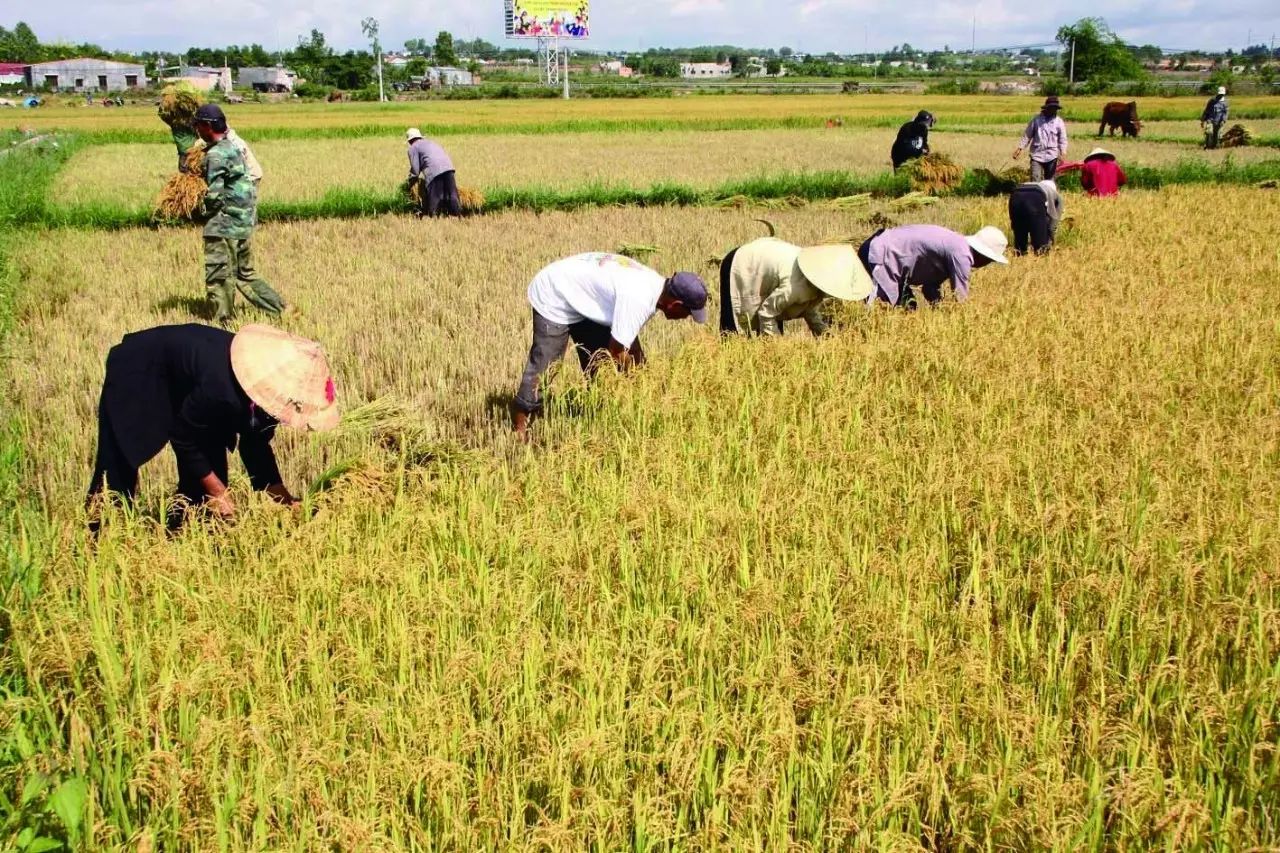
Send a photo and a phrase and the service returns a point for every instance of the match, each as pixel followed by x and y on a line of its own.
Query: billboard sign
pixel 548 19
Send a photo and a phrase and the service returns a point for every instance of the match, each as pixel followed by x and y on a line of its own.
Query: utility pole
pixel 566 72
pixel 370 28
pixel 1071 78
pixel 973 38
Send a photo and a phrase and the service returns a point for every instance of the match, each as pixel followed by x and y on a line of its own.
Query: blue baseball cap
pixel 691 290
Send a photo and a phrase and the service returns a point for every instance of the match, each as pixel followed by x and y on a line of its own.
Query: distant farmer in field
pixel 1035 211
pixel 205 391
pixel 1100 174
pixel 769 281
pixel 231 205
pixel 431 171
pixel 928 256
pixel 1046 135
pixel 600 302
pixel 913 139
pixel 1215 115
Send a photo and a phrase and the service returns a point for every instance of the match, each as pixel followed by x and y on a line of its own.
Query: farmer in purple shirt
pixel 432 171
pixel 1046 134
pixel 927 255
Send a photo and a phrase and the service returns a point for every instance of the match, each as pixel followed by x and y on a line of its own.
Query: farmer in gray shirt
pixel 431 181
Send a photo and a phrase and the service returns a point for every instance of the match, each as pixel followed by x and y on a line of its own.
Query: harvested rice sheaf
pixel 1237 136
pixel 933 173
pixel 1004 181
pixel 472 199
pixel 178 104
pixel 183 194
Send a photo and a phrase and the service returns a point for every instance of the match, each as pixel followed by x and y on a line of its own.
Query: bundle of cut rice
pixel 1004 181
pixel 472 199
pixel 1237 136
pixel 933 173
pixel 911 201
pixel 178 104
pixel 183 194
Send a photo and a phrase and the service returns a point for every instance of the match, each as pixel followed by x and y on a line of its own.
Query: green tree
pixel 773 67
pixel 444 53
pixel 1100 55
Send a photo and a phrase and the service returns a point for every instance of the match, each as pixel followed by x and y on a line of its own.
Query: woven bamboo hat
pixel 836 271
pixel 287 376
pixel 1099 152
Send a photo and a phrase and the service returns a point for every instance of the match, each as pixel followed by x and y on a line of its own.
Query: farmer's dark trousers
pixel 727 325
pixel 441 196
pixel 112 472
pixel 1030 220
pixel 549 341
pixel 1212 138
pixel 1043 171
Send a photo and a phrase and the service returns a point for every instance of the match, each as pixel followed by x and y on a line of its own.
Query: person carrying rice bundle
pixel 205 391
pixel 231 205
pixel 177 109
pixel 431 172
pixel 768 281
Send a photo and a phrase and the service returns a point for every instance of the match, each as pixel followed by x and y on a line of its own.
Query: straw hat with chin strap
pixel 836 271
pixel 287 376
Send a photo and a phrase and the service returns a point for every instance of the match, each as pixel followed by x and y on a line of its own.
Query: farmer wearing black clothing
pixel 204 391
pixel 913 139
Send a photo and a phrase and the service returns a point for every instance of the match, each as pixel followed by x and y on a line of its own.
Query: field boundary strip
pixel 783 189
pixel 391 128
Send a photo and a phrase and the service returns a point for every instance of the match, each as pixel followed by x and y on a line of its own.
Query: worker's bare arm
pixel 621 355
pixel 219 499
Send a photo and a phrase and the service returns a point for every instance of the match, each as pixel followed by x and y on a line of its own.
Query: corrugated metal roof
pixel 12 67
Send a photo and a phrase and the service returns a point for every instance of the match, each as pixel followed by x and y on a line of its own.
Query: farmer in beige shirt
pixel 769 281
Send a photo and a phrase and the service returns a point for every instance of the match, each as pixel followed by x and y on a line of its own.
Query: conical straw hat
pixel 287 376
pixel 836 271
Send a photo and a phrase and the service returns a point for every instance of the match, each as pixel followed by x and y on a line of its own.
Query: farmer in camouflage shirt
pixel 231 210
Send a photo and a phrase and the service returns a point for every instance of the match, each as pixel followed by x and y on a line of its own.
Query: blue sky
pixel 809 25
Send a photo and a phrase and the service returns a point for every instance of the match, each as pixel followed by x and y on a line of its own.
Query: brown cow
pixel 1124 116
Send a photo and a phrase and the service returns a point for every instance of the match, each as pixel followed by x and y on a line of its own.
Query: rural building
pixel 266 79
pixel 204 78
pixel 705 70
pixel 616 67
pixel 102 75
pixel 446 75
pixel 12 74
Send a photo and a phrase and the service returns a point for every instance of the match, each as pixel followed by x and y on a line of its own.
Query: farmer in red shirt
pixel 1100 174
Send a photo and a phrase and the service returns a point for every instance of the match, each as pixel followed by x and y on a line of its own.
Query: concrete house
pixel 705 70
pixel 266 79
pixel 85 74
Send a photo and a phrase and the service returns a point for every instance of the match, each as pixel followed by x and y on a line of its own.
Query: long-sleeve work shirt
pixel 924 255
pixel 174 384
pixel 427 160
pixel 1047 138
pixel 766 289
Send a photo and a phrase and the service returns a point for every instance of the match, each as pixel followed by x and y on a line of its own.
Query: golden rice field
pixel 1085 132
pixel 690 108
pixel 1000 575
pixel 303 170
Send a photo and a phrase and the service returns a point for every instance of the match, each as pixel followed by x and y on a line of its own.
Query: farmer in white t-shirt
pixel 600 302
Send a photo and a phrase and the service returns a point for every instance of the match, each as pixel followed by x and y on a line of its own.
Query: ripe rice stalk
pixel 472 199
pixel 178 104
pixel 1237 136
pixel 848 202
pixel 933 173
pixel 182 196
pixel 1003 181
pixel 913 201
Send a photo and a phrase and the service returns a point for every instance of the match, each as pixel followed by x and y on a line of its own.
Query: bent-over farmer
pixel 768 281
pixel 1215 115
pixel 431 169
pixel 205 391
pixel 913 139
pixel 1035 211
pixel 599 301
pixel 231 208
pixel 1100 174
pixel 927 256
pixel 1046 136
